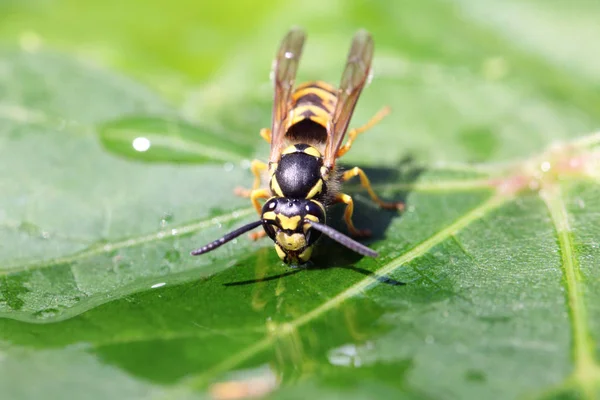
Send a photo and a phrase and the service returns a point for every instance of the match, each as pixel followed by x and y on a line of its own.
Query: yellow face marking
pixel 270 215
pixel 289 150
pixel 317 189
pixel 311 217
pixel 280 252
pixel 306 227
pixel 305 255
pixel 275 186
pixel 312 152
pixel 292 242
pixel 324 172
pixel 290 223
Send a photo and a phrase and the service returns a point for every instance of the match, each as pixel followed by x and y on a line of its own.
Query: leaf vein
pixel 127 243
pixel 587 371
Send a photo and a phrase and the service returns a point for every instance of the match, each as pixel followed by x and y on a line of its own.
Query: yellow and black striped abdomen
pixel 312 101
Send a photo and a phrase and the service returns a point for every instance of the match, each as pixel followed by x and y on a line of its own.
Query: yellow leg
pixel 259 194
pixel 258 235
pixel 265 133
pixel 364 181
pixel 353 133
pixel 347 200
pixel 256 167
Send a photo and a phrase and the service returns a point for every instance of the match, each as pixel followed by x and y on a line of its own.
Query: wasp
pixel 308 127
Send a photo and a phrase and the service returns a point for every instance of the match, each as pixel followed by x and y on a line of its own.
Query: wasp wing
pixel 353 80
pixel 284 76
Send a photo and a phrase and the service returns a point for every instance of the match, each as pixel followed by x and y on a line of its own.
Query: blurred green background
pixel 475 294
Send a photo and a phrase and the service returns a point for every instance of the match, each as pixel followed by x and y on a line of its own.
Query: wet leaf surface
pixel 486 285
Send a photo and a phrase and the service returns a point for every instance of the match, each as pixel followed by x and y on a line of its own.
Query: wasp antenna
pixel 228 237
pixel 342 239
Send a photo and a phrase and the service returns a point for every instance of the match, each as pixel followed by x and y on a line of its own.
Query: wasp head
pixel 288 222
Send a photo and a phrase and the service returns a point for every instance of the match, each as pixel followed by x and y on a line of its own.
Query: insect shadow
pixel 393 183
pixel 396 182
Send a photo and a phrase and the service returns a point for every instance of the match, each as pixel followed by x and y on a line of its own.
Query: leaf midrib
pixel 586 373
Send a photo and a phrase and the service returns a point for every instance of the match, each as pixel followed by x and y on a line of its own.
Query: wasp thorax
pixel 287 222
pixel 298 173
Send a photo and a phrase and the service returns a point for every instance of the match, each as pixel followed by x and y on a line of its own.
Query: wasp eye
pixel 313 208
pixel 270 205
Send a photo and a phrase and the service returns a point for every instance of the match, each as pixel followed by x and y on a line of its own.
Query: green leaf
pixel 156 139
pixel 486 285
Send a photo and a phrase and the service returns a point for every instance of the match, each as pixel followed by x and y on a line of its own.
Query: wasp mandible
pixel 309 123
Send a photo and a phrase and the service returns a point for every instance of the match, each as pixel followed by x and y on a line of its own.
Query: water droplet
pixel 160 235
pixel 370 78
pixel 45 235
pixel 545 166
pixel 166 218
pixel 141 144
pixel 173 232
pixel 346 356
pixel 47 313
pixel 172 255
pixel 245 164
pixel 289 54
pixel 228 167
pixel 157 285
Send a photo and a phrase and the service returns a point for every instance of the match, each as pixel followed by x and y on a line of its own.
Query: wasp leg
pixel 259 194
pixel 254 196
pixel 347 200
pixel 256 167
pixel 265 133
pixel 353 133
pixel 364 181
pixel 257 235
